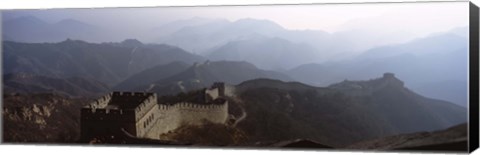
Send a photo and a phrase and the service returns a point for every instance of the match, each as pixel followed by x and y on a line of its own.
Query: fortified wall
pixel 142 116
pixel 174 115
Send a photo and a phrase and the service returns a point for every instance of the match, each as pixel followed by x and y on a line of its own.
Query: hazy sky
pixel 415 18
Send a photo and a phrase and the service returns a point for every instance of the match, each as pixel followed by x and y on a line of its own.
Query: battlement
pixel 131 100
pixel 194 106
pixel 100 103
pixel 132 94
pixel 119 103
pixel 218 85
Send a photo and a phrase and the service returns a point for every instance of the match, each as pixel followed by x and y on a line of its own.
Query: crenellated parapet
pixel 193 107
pixel 199 107
pixel 100 103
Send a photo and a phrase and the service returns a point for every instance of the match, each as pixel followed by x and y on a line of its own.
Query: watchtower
pixel 388 75
pixel 221 88
pixel 106 117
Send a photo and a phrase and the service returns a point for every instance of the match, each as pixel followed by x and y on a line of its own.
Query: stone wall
pixel 170 117
pixel 194 114
pixel 149 119
pixel 146 123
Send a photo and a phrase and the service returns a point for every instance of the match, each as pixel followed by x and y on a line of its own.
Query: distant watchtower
pixel 390 79
pixel 388 75
pixel 221 88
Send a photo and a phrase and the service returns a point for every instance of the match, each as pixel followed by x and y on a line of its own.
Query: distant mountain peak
pixel 72 41
pixel 253 20
pixel 27 18
pixel 258 22
pixel 224 63
pixel 197 18
pixel 74 25
pixel 70 21
pixel 132 42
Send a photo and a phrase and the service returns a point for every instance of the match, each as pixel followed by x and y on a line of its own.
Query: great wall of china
pixel 142 116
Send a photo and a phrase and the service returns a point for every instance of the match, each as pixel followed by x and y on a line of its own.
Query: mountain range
pixel 435 66
pixel 340 114
pixel 109 63
pixel 200 38
pixel 196 35
pixel 266 53
pixel 125 66
pixel 32 29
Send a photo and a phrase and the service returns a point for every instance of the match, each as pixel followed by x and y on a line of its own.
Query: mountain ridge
pixel 109 63
pixel 331 114
pixel 25 83
pixel 266 53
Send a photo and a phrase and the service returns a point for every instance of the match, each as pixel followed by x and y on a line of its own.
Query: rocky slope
pixel 420 141
pixel 41 118
pixel 25 83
